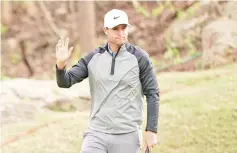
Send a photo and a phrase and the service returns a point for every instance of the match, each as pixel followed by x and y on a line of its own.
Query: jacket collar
pixel 122 48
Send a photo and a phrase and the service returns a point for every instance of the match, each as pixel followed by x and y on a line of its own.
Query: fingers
pixel 148 148
pixel 151 146
pixel 66 41
pixel 70 51
pixel 61 42
pixel 145 148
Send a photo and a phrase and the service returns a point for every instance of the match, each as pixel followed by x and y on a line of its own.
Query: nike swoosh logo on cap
pixel 116 17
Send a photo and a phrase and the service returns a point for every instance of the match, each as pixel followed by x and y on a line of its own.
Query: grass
pixel 198 114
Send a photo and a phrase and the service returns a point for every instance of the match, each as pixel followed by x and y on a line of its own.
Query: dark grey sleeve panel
pixel 77 73
pixel 150 88
pixel 151 91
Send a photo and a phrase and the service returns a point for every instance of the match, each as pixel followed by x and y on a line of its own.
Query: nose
pixel 120 32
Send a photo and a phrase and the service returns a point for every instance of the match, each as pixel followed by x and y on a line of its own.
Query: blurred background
pixel 193 47
pixel 169 31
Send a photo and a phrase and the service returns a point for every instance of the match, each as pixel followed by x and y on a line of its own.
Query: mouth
pixel 120 38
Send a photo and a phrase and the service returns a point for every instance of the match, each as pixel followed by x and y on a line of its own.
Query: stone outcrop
pixel 22 98
pixel 219 42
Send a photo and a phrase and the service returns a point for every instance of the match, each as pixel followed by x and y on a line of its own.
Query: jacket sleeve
pixel 77 73
pixel 151 91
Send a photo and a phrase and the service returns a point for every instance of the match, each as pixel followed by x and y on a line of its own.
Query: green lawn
pixel 198 114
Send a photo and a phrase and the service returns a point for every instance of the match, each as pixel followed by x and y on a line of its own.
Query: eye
pixel 115 28
pixel 124 27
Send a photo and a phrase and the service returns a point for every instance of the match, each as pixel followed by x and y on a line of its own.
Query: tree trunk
pixel 86 26
pixel 6 12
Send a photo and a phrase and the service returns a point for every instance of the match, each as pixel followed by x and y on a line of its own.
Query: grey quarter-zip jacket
pixel 117 87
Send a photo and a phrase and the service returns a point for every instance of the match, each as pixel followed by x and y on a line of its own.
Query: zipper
pixel 113 63
pixel 112 66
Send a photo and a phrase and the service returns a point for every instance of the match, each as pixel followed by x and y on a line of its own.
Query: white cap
pixel 115 17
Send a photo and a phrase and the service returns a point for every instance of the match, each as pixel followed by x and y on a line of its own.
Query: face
pixel 117 35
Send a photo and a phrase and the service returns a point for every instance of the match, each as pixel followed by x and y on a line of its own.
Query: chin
pixel 121 43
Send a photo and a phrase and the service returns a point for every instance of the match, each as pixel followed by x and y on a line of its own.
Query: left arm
pixel 151 91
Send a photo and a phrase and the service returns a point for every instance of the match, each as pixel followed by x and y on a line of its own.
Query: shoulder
pixel 93 52
pixel 89 55
pixel 137 51
pixel 98 50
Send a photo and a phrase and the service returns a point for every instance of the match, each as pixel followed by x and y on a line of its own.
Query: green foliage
pixel 3 29
pixel 168 5
pixel 234 34
pixel 181 14
pixel 4 76
pixel 76 53
pixel 16 57
pixel 177 60
pixel 64 108
pixel 191 10
pixel 171 52
pixel 189 42
pixel 198 65
pixel 154 61
pixel 184 14
pixel 160 8
pixel 140 9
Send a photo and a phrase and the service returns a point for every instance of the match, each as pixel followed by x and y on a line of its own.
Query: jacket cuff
pixel 60 71
pixel 154 130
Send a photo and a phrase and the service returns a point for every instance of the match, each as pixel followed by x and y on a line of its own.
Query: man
pixel 119 75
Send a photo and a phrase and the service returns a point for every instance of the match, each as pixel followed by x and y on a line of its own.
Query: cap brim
pixel 119 24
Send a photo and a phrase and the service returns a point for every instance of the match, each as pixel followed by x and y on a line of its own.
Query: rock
pixel 230 10
pixel 219 42
pixel 68 105
pixel 61 105
pixel 22 98
pixel 183 29
pixel 44 90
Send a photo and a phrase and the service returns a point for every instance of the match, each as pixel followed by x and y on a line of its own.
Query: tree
pixel 86 25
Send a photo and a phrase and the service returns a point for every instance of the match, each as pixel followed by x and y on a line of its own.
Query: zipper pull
pixel 112 66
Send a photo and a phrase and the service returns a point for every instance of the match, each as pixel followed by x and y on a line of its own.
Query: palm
pixel 62 52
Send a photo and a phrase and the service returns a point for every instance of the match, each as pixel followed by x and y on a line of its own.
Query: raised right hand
pixel 62 52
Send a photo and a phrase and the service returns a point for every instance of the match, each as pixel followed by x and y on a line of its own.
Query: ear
pixel 105 30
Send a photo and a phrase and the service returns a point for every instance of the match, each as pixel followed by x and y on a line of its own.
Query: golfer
pixel 120 74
